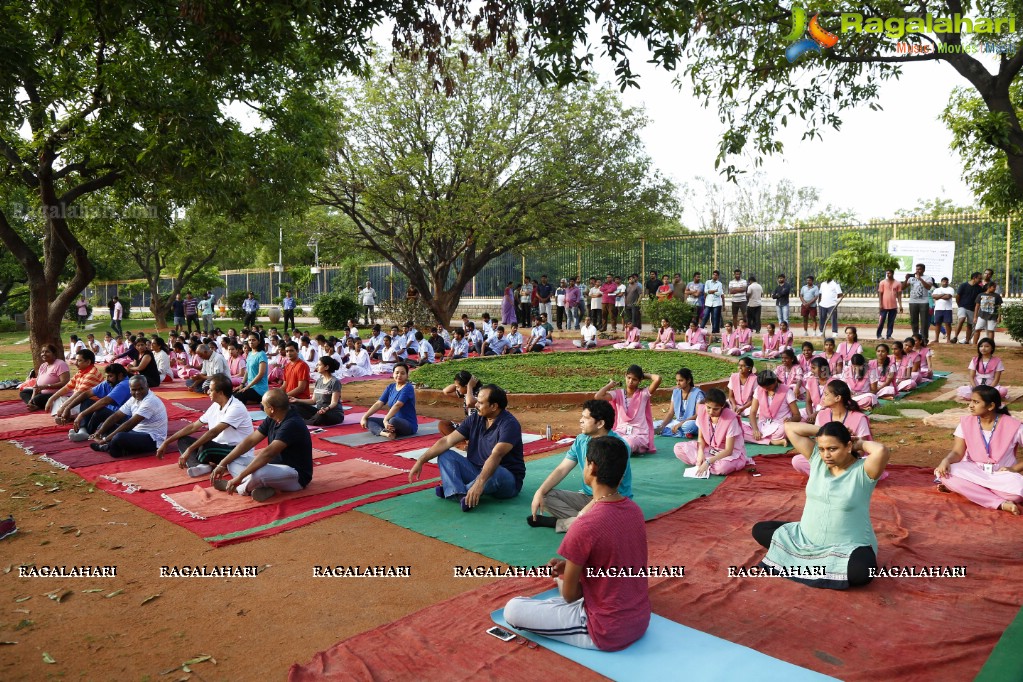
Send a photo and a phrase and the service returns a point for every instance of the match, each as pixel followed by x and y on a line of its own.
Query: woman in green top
pixel 833 544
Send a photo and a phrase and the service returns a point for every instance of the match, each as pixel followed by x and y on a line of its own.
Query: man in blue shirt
pixel 250 305
pixel 598 416
pixel 288 306
pixel 178 306
pixel 494 464
pixel 108 396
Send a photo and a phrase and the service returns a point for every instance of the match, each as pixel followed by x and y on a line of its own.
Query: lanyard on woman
pixel 987 441
pixel 742 398
pixel 982 366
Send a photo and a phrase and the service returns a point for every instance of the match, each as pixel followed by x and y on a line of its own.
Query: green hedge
pixel 1012 318
pixel 678 313
pixel 334 309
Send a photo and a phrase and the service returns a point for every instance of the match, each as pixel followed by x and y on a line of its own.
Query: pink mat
pixel 28 423
pixel 207 502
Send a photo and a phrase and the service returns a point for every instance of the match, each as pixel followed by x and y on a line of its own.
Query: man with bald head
pixel 212 364
pixel 284 465
pixel 140 425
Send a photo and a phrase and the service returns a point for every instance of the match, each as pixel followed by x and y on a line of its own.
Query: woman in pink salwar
pixel 820 376
pixel 729 342
pixel 785 337
pixel 902 371
pixel 914 354
pixel 832 356
pixel 744 337
pixel 837 405
pixel 719 447
pixel 985 370
pixel 665 337
pixel 806 356
pixel 634 419
pixel 181 364
pixel 925 353
pixel 862 381
pixel 789 373
pixel 850 347
pixel 236 365
pixel 982 465
pixel 631 338
pixel 741 386
pixel 773 405
pixel 696 339
pixel 772 343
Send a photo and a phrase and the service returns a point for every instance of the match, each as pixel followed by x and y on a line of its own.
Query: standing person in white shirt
pixel 595 296
pixel 831 294
pixel 944 303
pixel 589 334
pixel 714 300
pixel 737 288
pixel 619 311
pixel 368 299
pixel 525 301
pixel 116 316
pixel 559 301
pixel 754 293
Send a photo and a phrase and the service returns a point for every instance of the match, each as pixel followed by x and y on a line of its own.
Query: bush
pixel 335 309
pixel 678 313
pixel 234 304
pixel 1012 318
pixel 400 311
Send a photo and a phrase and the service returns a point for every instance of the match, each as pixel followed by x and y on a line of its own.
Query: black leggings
pixel 861 560
pixel 310 413
pixel 249 396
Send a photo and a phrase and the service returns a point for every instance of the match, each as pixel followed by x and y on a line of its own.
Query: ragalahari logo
pixel 801 45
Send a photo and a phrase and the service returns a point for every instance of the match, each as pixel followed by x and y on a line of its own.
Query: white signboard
pixel 938 257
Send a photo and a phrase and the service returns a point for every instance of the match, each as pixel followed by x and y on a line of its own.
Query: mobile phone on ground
pixel 501 634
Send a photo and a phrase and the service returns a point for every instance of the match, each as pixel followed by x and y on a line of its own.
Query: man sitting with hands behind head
pixel 609 535
pixel 494 466
pixel 598 416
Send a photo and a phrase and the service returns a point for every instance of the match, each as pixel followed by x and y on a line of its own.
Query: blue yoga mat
pixel 675 651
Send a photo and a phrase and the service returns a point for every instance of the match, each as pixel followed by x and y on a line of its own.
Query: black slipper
pixel 542 521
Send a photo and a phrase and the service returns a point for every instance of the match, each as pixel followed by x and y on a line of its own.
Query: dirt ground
pixel 254 628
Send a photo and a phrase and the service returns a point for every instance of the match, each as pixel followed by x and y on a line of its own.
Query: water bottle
pixel 548 432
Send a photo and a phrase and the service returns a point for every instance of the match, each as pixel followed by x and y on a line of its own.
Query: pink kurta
pixel 860 387
pixel 846 350
pixel 771 347
pixel 969 477
pixel 634 419
pixel 985 374
pixel 631 340
pixel 714 438
pixel 742 392
pixel 785 340
pixel 857 424
pixel 902 370
pixel 729 345
pixel 790 377
pixel 744 339
pixel 695 340
pixel 772 413
pixel 665 339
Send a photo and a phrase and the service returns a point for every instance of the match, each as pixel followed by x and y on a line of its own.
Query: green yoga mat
pixel 498 528
pixel 1006 659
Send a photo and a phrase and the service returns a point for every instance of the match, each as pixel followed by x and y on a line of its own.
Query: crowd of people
pixel 296 381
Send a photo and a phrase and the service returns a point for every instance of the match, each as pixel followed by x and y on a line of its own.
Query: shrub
pixel 675 310
pixel 1012 318
pixel 401 310
pixel 234 304
pixel 334 309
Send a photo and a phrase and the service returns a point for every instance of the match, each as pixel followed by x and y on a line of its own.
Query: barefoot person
pixel 837 405
pixel 634 417
pixel 982 465
pixel 284 465
pixel 494 464
pixel 833 545
pixel 563 505
pixel 400 399
pixel 594 611
pixel 139 426
pixel 719 447
pixel 772 406
pixel 685 398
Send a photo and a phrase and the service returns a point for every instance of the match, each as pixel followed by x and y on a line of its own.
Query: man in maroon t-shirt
pixel 608 537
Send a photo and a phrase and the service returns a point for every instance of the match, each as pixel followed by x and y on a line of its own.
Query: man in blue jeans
pixel 494 465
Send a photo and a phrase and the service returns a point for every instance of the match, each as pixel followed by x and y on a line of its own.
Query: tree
pixel 131 95
pixel 860 263
pixel 736 61
pixel 753 203
pixel 441 184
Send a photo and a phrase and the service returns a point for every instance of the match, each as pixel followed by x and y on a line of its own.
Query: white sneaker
pixel 200 470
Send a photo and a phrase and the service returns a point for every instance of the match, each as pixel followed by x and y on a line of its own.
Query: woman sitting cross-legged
pixel 324 408
pixel 772 344
pixel 837 405
pixel 719 447
pixel 400 399
pixel 696 338
pixel 684 400
pixel 665 337
pixel 634 420
pixel 982 466
pixel 833 545
pixel 729 342
pixel 773 405
pixel 631 338
pixel 862 381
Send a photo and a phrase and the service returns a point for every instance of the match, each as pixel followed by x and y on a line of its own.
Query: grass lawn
pixel 892 409
pixel 564 372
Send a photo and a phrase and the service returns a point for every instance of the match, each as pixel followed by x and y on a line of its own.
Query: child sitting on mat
pixel 594 611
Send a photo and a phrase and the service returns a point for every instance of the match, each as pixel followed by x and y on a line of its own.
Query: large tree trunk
pixel 159 305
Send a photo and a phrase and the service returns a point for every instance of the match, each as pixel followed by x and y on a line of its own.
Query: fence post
pixel 642 259
pixel 579 264
pixel 1008 252
pixel 716 252
pixel 474 286
pixel 247 287
pixel 523 267
pixel 799 256
pixel 391 280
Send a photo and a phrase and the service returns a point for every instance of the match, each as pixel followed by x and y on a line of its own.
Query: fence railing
pixel 981 242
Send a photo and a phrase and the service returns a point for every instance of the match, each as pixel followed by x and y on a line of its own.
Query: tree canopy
pixel 441 183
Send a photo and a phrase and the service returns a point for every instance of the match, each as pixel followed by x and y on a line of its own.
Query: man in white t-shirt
pixel 141 423
pixel 737 288
pixel 827 305
pixel 525 302
pixel 619 307
pixel 944 303
pixel 368 299
pixel 754 294
pixel 117 314
pixel 228 421
pixel 589 334
pixel 596 297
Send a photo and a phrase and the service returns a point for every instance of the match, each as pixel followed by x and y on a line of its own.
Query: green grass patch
pixel 893 409
pixel 565 372
pixel 929 387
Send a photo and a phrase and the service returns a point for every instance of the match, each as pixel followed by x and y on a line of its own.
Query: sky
pixel 879 162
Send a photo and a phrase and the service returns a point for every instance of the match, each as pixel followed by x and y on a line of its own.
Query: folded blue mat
pixel 670 650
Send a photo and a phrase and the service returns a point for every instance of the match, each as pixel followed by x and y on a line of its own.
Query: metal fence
pixel 981 242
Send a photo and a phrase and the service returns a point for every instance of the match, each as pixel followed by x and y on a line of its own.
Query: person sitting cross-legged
pixel 494 466
pixel 139 426
pixel 596 420
pixel 228 423
pixel 68 400
pixel 594 611
pixel 108 397
pixel 400 400
pixel 284 465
